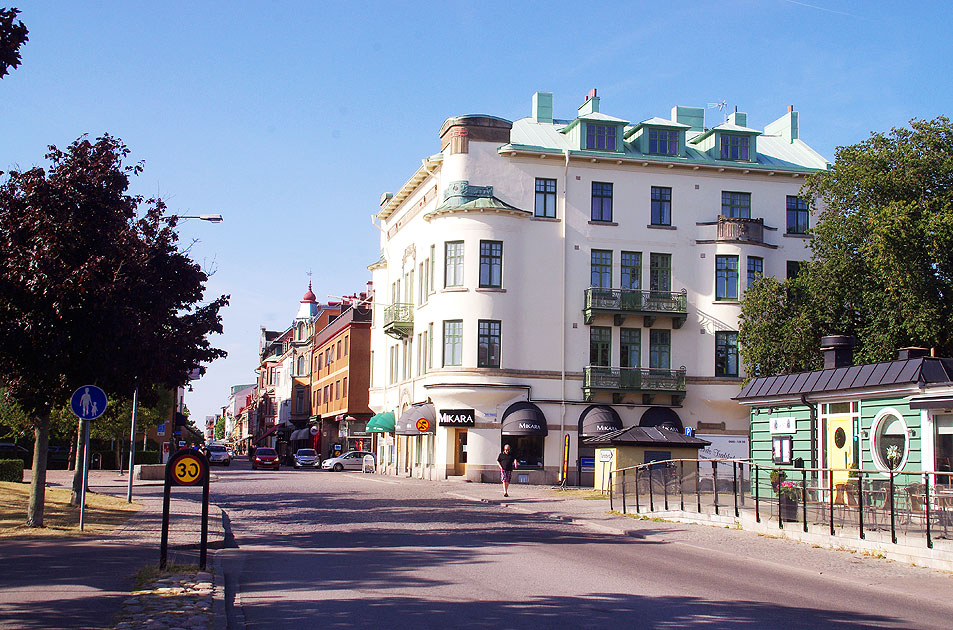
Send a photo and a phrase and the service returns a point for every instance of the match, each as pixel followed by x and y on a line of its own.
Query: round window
pixel 889 445
pixel 840 437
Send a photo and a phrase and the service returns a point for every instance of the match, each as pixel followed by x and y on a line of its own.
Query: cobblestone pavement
pixel 182 600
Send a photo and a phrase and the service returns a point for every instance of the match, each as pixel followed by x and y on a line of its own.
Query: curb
pixel 219 613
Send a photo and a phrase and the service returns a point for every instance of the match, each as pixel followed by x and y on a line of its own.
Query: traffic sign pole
pixel 132 443
pixel 187 467
pixel 87 403
pixel 82 490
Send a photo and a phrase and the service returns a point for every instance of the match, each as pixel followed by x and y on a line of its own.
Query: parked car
pixel 352 460
pixel 218 454
pixel 265 457
pixel 306 458
pixel 57 457
pixel 9 450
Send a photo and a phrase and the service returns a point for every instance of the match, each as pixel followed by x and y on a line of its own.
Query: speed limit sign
pixel 188 468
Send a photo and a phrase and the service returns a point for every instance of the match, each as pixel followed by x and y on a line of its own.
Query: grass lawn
pixel 579 493
pixel 103 513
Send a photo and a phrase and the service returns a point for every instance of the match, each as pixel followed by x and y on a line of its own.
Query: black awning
pixel 598 419
pixel 944 402
pixel 661 417
pixel 417 420
pixel 524 418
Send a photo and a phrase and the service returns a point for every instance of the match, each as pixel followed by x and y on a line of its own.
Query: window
pixel 797 215
pixel 600 137
pixel 528 450
pixel 660 272
pixel 601 201
pixel 736 204
pixel 488 343
pixel 660 349
pixel 792 269
pixel 338 351
pixel 302 365
pixel 327 395
pixel 726 277
pixel 663 141
pixel 453 342
pixel 318 397
pixel 545 197
pixel 320 360
pixel 630 347
pixel 345 387
pixel 433 261
pixel 781 449
pixel 889 432
pixel 337 390
pixel 755 268
pixel 726 353
pixel 601 274
pixel 734 147
pixel 943 448
pixel 429 345
pixel 491 264
pixel 632 270
pixel 453 274
pixel 600 340
pixel 347 341
pixel 661 205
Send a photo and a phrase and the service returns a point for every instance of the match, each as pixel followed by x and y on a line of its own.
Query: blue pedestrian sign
pixel 88 402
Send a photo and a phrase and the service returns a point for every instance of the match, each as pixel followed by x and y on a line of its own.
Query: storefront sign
pixel 457 418
pixel 605 456
pixel 783 425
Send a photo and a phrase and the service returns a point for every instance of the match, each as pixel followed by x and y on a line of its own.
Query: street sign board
pixel 160 430
pixel 188 468
pixel 88 402
pixel 605 456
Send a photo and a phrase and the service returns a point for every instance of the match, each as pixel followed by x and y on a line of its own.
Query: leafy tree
pixel 116 422
pixel 882 257
pixel 220 428
pixel 93 289
pixel 12 36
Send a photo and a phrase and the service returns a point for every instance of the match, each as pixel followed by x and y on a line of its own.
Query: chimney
pixel 692 116
pixel 543 107
pixel 738 118
pixel 838 351
pixel 912 352
pixel 591 105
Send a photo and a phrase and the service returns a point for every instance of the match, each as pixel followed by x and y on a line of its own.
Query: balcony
pixel 399 320
pixel 740 229
pixel 648 304
pixel 645 381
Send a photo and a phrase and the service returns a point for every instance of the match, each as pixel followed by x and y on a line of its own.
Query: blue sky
pixel 291 118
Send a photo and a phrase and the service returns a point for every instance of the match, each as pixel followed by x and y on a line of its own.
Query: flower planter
pixel 788 509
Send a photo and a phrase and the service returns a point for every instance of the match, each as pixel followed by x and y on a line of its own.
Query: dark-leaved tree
pixel 13 34
pixel 882 257
pixel 94 289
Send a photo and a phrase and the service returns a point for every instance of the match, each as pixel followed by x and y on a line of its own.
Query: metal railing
pixel 399 319
pixel 619 379
pixel 636 301
pixel 819 499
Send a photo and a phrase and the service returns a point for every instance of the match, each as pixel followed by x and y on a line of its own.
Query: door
pixel 840 446
pixel 460 453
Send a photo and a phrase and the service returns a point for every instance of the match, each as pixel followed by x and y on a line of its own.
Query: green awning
pixel 382 423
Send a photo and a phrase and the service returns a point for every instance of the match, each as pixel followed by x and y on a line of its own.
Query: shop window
pixel 528 450
pixel 889 437
pixel 944 449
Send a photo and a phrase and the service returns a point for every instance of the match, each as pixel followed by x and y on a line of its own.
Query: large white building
pixel 548 278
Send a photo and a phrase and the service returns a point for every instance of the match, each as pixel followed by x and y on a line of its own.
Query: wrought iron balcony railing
pixel 649 304
pixel 399 320
pixel 740 229
pixel 646 381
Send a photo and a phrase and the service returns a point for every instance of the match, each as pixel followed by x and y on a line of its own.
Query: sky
pixel 292 118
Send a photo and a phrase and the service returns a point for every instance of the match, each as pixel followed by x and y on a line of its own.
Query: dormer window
pixel 663 141
pixel 734 147
pixel 600 137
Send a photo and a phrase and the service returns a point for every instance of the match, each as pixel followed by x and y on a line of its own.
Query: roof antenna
pixel 723 106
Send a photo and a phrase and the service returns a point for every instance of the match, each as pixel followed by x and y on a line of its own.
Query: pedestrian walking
pixel 507 462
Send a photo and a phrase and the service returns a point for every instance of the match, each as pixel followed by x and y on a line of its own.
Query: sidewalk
pixel 82 582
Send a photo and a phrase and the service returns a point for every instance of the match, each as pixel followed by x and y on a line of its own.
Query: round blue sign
pixel 88 402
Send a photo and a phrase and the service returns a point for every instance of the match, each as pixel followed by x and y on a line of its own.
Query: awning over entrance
pixel 598 419
pixel 524 418
pixel 661 417
pixel 383 422
pixel 268 433
pixel 944 402
pixel 417 420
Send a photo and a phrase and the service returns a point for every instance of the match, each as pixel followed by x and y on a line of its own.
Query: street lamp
pixel 211 218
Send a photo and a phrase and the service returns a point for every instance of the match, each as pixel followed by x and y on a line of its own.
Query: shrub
pixel 11 470
pixel 147 457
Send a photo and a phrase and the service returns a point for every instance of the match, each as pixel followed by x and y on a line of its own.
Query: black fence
pixel 814 499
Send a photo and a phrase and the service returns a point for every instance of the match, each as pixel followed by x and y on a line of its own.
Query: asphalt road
pixel 345 550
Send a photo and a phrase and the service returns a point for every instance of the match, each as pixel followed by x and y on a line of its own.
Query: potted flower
pixel 789 493
pixel 893 456
pixel 777 476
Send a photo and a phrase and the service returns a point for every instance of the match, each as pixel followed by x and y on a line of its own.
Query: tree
pixel 220 427
pixel 12 36
pixel 882 257
pixel 93 289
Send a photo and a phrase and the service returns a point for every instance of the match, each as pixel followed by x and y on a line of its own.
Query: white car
pixel 352 460
pixel 218 454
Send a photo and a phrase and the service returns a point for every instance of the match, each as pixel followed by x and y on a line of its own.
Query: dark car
pixel 265 457
pixel 9 450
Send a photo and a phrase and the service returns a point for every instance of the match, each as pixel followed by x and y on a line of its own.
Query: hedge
pixel 147 457
pixel 11 470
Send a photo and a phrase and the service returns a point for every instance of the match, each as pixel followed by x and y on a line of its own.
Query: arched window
pixel 300 331
pixel 302 365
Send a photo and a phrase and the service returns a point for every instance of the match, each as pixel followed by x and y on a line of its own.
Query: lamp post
pixel 211 218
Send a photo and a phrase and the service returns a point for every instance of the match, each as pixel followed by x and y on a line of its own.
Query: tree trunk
pixel 71 460
pixel 41 435
pixel 80 458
